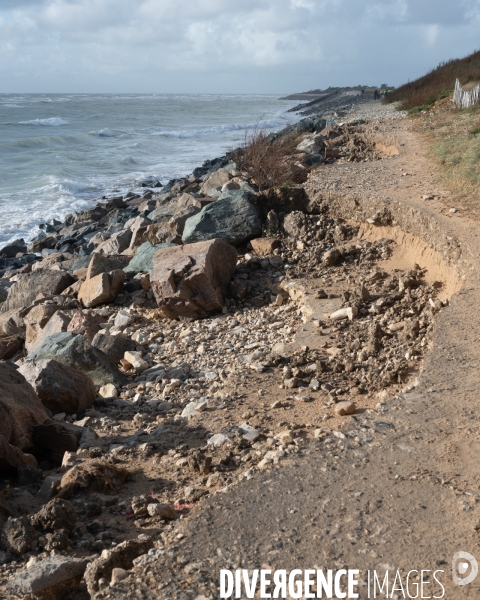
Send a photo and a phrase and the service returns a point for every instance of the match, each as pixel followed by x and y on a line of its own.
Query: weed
pixel 267 161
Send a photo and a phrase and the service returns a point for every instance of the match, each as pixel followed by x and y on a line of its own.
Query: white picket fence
pixel 465 98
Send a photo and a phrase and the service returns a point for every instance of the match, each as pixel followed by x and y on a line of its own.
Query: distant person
pixel 375 95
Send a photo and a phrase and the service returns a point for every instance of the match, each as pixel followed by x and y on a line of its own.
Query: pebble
pixel 118 575
pixel 345 408
pixel 218 440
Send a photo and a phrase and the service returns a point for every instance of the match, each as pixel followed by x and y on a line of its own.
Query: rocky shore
pixel 160 348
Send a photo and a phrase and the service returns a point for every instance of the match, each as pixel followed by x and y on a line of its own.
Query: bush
pixel 268 162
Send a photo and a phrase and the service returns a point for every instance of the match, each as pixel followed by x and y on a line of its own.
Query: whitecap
pixel 271 124
pixel 105 133
pixel 51 122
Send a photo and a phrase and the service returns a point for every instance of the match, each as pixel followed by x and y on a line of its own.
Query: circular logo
pixel 464 568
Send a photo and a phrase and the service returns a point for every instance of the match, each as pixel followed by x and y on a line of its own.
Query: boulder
pixel 18 535
pixel 192 280
pixel 101 288
pixel 60 437
pixel 40 315
pixel 119 242
pixel 142 261
pixel 9 345
pixel 213 185
pixel 56 514
pixel 48 579
pixel 114 346
pixel 59 387
pixel 14 248
pixel 12 457
pixel 20 408
pixel 92 214
pixel 162 233
pixel 99 263
pixel 233 218
pixel 35 335
pixel 29 285
pixel 13 323
pixel 86 323
pixel 76 352
pixel 265 246
pixel 178 220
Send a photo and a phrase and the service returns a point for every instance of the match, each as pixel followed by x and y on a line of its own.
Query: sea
pixel 60 153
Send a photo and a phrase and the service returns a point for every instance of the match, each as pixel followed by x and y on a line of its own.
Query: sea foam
pixel 51 122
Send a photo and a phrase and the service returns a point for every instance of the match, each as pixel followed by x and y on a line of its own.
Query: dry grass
pixel 95 475
pixel 269 163
pixel 439 83
pixel 454 136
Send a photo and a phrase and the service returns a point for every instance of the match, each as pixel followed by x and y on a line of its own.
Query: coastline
pixel 60 155
pixel 169 346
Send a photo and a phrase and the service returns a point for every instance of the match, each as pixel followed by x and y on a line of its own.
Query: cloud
pixel 202 45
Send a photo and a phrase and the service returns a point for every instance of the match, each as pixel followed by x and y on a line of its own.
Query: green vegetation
pixel 422 93
pixel 455 142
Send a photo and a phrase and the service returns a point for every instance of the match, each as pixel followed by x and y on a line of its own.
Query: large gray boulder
pixel 59 387
pixel 114 346
pixel 28 285
pixel 142 261
pixel 191 280
pixel 49 578
pixel 76 352
pixel 233 218
pixel 14 248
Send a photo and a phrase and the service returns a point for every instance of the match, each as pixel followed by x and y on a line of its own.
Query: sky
pixel 227 46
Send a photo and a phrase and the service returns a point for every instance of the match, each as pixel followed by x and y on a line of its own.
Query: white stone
pixel 344 313
pixel 218 440
pixel 140 338
pixel 108 391
pixel 136 360
pixel 249 432
pixel 123 319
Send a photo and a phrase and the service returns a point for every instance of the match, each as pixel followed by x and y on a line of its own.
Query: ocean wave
pixel 192 133
pixel 128 160
pixel 51 122
pixel 105 133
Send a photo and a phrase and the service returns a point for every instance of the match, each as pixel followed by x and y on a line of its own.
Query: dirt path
pixel 405 496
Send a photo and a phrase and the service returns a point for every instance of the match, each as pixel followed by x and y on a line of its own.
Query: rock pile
pixel 158 348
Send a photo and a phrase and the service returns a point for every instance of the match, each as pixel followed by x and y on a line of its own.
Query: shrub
pixel 267 161
pixel 437 84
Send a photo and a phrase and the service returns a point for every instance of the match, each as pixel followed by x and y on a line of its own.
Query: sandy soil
pixel 393 488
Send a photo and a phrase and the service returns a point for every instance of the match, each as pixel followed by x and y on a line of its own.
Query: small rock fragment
pixel 345 408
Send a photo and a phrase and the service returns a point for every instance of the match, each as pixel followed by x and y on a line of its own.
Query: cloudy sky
pixel 231 46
